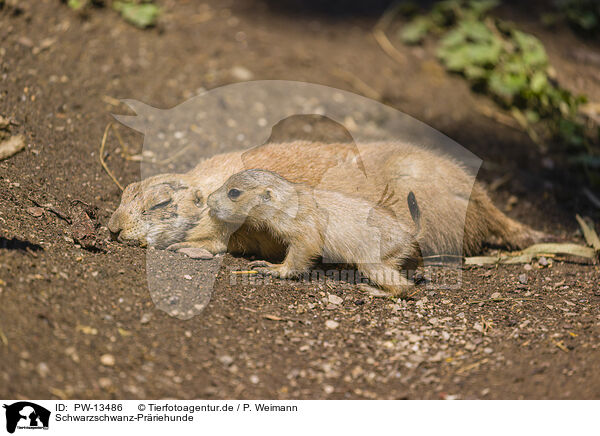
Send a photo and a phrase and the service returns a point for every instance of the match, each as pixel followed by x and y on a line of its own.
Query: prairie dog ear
pixel 198 198
pixel 267 195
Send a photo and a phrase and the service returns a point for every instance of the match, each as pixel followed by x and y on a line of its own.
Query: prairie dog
pixel 457 216
pixel 317 222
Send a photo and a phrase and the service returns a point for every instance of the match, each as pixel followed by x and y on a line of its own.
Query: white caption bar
pixel 298 417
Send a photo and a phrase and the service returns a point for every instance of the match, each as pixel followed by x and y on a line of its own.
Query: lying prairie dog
pixel 314 223
pixel 457 216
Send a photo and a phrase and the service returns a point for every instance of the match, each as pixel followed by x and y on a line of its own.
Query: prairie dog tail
pixel 485 222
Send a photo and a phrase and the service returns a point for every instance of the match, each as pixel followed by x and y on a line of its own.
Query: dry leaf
pixel 589 234
pixel 11 146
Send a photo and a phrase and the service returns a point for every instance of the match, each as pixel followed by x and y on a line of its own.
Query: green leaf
pixel 475 73
pixel 455 59
pixel 532 116
pixel 480 55
pixel 76 4
pixel 140 15
pixel 475 31
pixel 480 7
pixel 532 49
pixel 539 80
pixel 535 58
pixel 415 31
pixel 507 85
pixel 453 38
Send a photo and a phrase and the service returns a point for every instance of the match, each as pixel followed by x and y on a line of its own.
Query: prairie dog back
pixel 317 223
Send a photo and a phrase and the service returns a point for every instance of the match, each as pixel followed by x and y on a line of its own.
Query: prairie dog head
pixel 157 211
pixel 255 196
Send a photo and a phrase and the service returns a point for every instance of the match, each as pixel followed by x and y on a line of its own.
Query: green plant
pixel 141 15
pixel 584 15
pixel 81 4
pixel 501 60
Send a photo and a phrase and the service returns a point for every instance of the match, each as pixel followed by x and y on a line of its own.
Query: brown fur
pixel 442 187
pixel 314 223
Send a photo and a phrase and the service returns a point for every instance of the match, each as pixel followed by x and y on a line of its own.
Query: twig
pixel 114 179
pixel 122 143
pixel 111 100
pixel 173 157
pixel 499 182
pixel 491 300
pixel 589 234
pixel 279 318
pixel 472 366
pixel 31 252
pixel 412 294
pixel 358 84
pixel 535 251
pixel 3 337
pixel 380 36
pixel 593 199
pixel 524 123
pixel 498 116
pixel 59 393
pixel 271 317
pixel 50 208
pixel 560 345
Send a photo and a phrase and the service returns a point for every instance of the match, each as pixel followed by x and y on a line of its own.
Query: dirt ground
pixel 77 323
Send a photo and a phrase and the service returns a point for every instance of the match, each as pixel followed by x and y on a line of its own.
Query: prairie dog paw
pixel 270 269
pixel 196 253
pixel 260 263
pixel 190 250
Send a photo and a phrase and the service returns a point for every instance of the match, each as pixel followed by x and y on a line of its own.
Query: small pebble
pixel 523 278
pixel 226 360
pixel 331 324
pixel 242 73
pixel 196 253
pixel 35 211
pixel 104 382
pixel 334 299
pixel 43 369
pixel 107 360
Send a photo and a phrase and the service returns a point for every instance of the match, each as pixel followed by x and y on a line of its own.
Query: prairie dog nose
pixel 211 202
pixel 115 235
pixel 113 224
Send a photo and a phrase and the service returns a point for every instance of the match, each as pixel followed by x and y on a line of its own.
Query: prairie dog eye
pixel 162 203
pixel 234 193
pixel 198 198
